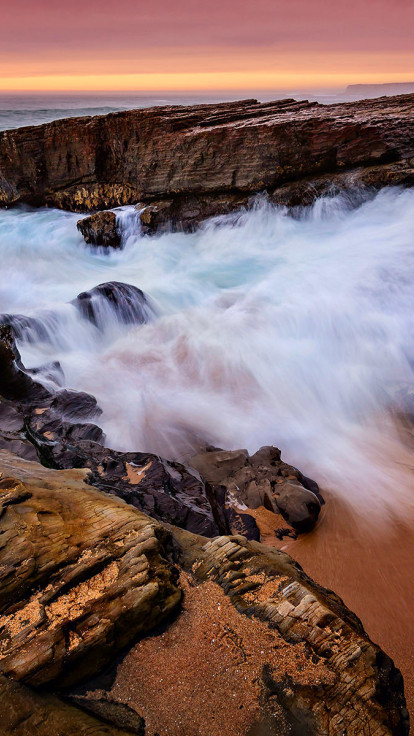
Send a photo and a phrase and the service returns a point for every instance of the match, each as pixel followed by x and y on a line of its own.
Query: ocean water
pixel 17 110
pixel 267 327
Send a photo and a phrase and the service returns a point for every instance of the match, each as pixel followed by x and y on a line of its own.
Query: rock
pixel 25 713
pixel 262 479
pixel 83 575
pixel 75 405
pixel 206 160
pixel 298 506
pixel 125 303
pixel 15 383
pixel 100 229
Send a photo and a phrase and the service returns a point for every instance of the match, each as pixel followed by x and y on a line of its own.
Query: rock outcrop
pixel 114 300
pixel 204 160
pixel 100 229
pixel 83 575
pixel 239 481
pixel 206 496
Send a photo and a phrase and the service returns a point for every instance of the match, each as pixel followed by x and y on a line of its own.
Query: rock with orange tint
pixel 205 160
pixel 81 575
pixel 88 582
pixel 100 229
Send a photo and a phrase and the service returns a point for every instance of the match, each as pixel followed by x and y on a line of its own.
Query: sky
pixel 198 45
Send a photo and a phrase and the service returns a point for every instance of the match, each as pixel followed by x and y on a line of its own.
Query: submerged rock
pixel 125 302
pixel 100 229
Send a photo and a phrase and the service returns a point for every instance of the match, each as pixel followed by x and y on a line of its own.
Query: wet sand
pixel 371 568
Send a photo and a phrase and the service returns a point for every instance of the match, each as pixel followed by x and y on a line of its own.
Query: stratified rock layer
pixel 80 575
pixel 83 574
pixel 207 159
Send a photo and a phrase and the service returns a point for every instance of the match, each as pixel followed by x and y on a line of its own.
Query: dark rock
pixel 124 302
pixel 100 229
pixel 111 711
pixel 15 383
pixel 25 712
pixel 298 506
pixel 236 479
pixel 75 405
pixel 243 524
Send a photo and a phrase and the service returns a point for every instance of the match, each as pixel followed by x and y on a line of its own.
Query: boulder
pixel 237 480
pixel 114 300
pixel 100 229
pixel 298 506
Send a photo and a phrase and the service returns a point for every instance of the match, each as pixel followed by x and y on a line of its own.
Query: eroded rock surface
pixel 208 159
pixel 100 229
pixel 240 481
pixel 83 575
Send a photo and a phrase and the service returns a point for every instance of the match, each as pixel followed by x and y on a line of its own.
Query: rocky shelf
pixel 193 162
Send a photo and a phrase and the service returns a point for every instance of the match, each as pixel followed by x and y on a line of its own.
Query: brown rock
pixel 81 575
pixel 209 159
pixel 100 229
pixel 238 480
pixel 25 713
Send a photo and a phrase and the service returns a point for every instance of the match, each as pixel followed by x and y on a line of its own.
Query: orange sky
pixel 189 45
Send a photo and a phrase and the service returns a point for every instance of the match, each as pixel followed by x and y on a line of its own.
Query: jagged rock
pixel 209 159
pixel 15 383
pixel 126 303
pixel 262 479
pixel 100 229
pixel 83 574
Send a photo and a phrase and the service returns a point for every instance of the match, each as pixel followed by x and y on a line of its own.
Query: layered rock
pixel 83 575
pixel 100 229
pixel 207 159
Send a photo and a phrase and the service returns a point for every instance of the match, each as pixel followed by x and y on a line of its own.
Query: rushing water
pixel 266 328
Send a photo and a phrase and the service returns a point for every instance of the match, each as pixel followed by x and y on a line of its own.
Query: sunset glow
pixel 230 45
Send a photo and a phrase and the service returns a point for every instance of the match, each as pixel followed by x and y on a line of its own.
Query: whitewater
pixel 266 327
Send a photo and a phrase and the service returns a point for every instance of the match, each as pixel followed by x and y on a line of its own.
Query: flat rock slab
pixel 207 159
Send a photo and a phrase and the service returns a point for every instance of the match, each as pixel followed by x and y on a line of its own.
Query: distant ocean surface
pixel 17 110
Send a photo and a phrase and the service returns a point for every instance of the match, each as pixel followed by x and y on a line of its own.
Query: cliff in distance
pixel 208 159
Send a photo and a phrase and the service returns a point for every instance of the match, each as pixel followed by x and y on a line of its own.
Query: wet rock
pixel 75 405
pixel 126 303
pixel 298 506
pixel 28 329
pixel 15 383
pixel 209 159
pixel 100 229
pixel 237 480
